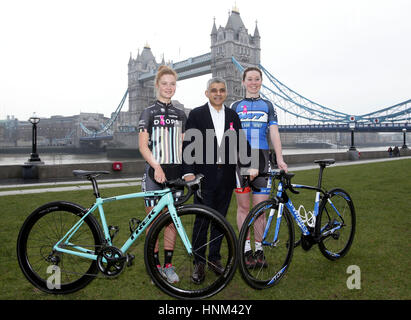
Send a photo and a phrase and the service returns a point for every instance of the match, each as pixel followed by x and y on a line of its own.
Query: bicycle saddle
pixel 325 162
pixel 85 173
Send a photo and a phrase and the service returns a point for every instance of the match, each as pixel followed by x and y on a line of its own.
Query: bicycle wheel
pixel 336 224
pixel 218 229
pixel 51 271
pixel 277 255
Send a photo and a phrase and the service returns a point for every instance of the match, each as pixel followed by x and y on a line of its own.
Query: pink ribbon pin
pixel 231 126
pixel 162 122
pixel 244 109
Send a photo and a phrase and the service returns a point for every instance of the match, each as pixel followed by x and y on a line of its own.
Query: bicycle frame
pixel 165 200
pixel 295 214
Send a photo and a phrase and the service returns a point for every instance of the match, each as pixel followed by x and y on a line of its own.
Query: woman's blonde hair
pixel 162 70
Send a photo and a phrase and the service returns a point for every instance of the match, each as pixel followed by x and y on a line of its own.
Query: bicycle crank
pixel 111 261
pixel 307 241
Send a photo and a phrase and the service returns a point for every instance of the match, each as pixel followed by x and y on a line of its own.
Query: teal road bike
pixel 331 226
pixel 62 246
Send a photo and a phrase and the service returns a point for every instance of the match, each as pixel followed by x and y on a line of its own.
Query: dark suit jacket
pixel 200 119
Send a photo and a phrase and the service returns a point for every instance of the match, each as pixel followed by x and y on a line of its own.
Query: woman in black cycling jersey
pixel 259 121
pixel 161 128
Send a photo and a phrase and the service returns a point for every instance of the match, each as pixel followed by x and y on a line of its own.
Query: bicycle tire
pixel 278 257
pixel 183 263
pixel 40 232
pixel 336 244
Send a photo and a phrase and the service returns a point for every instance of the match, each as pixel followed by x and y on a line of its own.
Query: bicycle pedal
pixel 130 258
pixel 113 231
pixel 133 224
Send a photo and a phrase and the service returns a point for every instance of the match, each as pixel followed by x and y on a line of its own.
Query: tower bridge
pixel 233 48
pixel 186 69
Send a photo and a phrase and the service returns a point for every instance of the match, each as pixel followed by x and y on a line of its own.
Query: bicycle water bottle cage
pixel 133 224
pixel 113 231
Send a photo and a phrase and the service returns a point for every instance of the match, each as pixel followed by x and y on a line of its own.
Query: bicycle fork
pixel 179 226
pixel 277 226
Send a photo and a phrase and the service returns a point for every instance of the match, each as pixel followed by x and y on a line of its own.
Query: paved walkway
pixel 116 183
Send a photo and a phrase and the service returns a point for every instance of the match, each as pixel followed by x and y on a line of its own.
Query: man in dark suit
pixel 213 135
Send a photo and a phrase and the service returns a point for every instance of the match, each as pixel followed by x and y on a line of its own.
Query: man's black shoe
pixel 198 275
pixel 216 267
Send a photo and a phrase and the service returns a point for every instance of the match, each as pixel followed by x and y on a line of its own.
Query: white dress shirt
pixel 218 118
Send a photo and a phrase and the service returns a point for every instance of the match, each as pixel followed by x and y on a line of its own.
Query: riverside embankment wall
pixel 135 168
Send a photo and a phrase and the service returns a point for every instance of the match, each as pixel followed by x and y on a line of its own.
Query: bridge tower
pixel 233 40
pixel 141 93
pixel 230 41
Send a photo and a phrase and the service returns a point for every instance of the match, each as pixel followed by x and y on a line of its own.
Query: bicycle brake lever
pixel 199 195
pixel 290 187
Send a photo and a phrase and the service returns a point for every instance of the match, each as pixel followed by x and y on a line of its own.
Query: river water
pixel 19 159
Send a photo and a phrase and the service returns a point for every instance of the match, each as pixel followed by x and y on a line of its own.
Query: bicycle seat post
pixel 320 176
pixel 95 186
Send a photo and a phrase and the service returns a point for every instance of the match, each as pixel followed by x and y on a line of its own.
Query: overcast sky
pixel 66 57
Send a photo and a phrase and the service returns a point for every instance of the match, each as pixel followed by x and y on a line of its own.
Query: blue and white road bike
pixel 331 225
pixel 62 246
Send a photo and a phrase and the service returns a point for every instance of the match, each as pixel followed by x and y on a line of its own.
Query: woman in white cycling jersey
pixel 259 121
pixel 161 129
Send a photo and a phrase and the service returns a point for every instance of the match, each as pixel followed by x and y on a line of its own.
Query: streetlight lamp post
pixel 353 154
pixel 34 157
pixel 352 127
pixel 404 132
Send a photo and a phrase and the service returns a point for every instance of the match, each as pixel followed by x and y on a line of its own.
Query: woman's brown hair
pixel 252 69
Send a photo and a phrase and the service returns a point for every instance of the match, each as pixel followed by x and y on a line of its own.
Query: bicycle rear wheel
pixel 51 271
pixel 336 224
pixel 183 263
pixel 277 255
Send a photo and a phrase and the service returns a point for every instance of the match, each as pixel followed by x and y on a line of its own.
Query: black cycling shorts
pixel 149 184
pixel 261 184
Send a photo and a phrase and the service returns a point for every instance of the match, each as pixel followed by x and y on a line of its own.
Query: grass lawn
pixel 381 248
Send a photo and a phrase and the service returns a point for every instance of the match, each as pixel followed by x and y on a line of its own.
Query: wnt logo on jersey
pixel 253 116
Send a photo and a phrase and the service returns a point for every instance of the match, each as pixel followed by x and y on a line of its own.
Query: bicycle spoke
pixel 37 238
pixel 336 225
pixel 184 263
pixel 259 267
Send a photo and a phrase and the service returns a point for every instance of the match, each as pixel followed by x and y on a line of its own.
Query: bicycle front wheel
pixel 336 224
pixel 264 268
pixel 178 281
pixel 49 270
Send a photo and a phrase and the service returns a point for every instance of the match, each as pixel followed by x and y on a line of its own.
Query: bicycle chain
pixel 98 274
